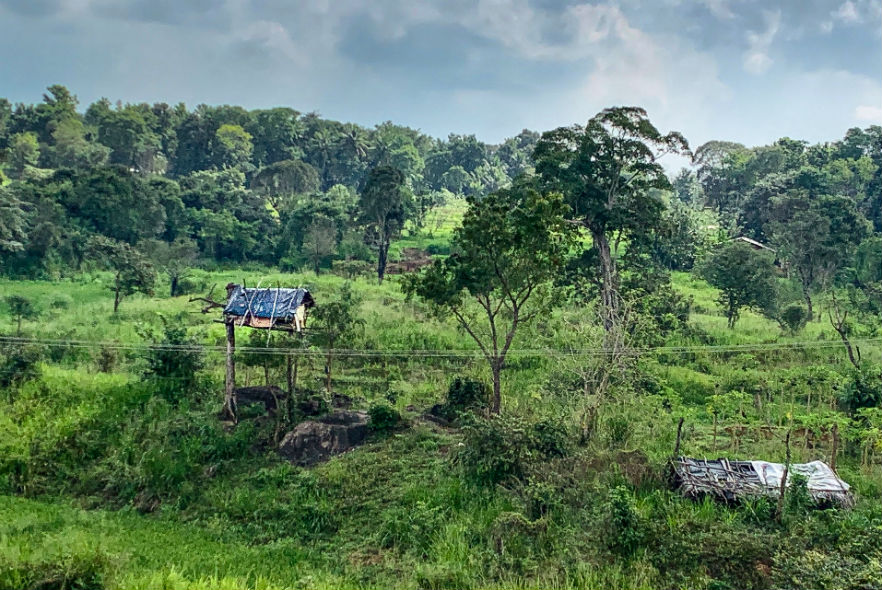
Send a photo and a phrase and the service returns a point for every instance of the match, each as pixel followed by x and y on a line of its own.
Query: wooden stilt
pixel 230 382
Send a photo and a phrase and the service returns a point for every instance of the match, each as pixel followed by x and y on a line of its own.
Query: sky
pixel 740 70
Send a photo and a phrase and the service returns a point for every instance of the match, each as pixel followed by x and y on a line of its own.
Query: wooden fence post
pixel 230 381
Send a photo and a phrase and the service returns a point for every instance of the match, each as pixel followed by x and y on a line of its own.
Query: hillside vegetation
pixel 627 314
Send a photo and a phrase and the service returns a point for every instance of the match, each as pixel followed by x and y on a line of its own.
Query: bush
pixel 863 389
pixel 438 249
pixel 174 363
pixel 502 448
pixel 19 364
pixel 793 317
pixel 78 567
pixel 464 395
pixel 383 418
pixel 624 530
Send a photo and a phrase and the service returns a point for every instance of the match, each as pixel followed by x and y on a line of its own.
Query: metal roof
pixel 270 303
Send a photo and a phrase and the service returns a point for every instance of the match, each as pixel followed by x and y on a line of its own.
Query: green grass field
pixel 103 479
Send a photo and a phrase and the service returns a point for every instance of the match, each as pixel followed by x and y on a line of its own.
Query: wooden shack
pixel 273 308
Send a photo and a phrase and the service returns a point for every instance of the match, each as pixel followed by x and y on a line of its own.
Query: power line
pixel 439 353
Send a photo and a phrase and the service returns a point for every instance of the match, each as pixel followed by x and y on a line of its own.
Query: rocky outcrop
pixel 268 396
pixel 318 440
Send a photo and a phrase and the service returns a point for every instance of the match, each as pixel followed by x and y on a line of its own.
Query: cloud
pixel 868 113
pixel 847 13
pixel 756 58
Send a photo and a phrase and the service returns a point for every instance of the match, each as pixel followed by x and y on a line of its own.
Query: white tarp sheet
pixel 821 479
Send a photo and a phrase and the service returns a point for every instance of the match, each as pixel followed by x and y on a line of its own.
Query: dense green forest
pixel 533 328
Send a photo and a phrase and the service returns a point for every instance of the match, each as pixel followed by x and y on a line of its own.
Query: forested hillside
pixel 530 331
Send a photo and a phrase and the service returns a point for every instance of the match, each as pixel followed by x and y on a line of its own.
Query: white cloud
pixel 756 58
pixel 847 13
pixel 868 113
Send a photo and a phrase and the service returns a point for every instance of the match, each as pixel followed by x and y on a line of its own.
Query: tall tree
pixel 744 276
pixel 232 147
pixel 132 273
pixel 383 205
pixel 817 237
pixel 335 322
pixel 175 259
pixel 510 245
pixel 23 152
pixel 606 171
pixel 320 241
pixel 283 179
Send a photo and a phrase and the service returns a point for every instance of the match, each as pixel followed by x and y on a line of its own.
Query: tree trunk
pixel 230 381
pixel 174 286
pixel 328 371
pixel 608 286
pixel 116 298
pixel 289 373
pixel 496 367
pixel 808 302
pixel 382 256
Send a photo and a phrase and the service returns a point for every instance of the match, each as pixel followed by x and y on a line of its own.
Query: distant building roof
pixel 753 243
pixel 272 303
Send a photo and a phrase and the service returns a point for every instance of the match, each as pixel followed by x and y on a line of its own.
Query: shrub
pixel 19 364
pixel 624 529
pixel 174 363
pixel 383 418
pixel 464 395
pixel 78 567
pixel 502 448
pixel 863 389
pixel 793 317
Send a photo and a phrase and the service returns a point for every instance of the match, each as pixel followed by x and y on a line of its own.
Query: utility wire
pixel 441 353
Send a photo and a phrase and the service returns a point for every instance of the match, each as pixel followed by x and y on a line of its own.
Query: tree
pixel 232 146
pixel 281 180
pixel 744 276
pixel 175 259
pixel 73 150
pixel 510 245
pixel 12 222
pixel 320 241
pixel 132 273
pixel 606 171
pixel 23 152
pixel 383 206
pixel 817 237
pixel 21 308
pixel 336 321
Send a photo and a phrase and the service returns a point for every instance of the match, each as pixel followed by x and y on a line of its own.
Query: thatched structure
pixel 735 480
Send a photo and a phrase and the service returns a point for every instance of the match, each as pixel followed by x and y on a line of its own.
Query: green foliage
pixel 501 449
pixel 863 388
pixel 19 363
pixel 55 566
pixel 173 363
pixel 383 208
pixel 383 418
pixel 20 308
pixel 509 246
pixel 794 317
pixel 132 272
pixel 744 276
pixel 624 531
pixel 464 396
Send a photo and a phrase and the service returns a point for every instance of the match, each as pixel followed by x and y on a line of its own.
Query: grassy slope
pixel 394 512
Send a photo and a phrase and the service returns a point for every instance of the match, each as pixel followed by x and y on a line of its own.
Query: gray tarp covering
pixel 270 303
pixel 731 480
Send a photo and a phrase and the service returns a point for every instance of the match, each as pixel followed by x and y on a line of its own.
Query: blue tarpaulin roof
pixel 271 303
